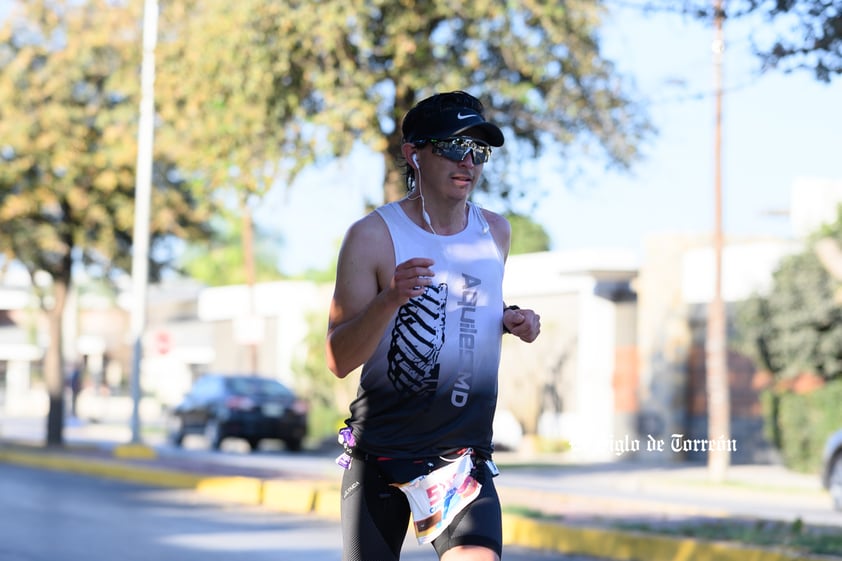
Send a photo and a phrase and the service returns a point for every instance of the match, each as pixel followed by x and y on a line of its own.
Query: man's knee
pixel 469 553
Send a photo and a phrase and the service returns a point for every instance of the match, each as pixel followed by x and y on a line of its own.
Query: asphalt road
pixel 762 492
pixel 58 516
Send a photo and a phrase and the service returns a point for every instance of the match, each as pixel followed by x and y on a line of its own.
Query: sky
pixel 777 129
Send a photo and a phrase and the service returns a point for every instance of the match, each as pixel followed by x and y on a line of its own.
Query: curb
pixel 323 499
pixel 619 545
pixel 102 468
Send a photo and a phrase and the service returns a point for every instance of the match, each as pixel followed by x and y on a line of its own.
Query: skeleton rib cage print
pixel 416 340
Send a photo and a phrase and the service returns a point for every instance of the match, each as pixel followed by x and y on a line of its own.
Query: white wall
pixel 747 268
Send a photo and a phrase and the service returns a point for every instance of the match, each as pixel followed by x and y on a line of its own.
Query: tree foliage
pixel 327 394
pixel 219 260
pixel 795 329
pixel 231 96
pixel 68 129
pixel 812 41
pixel 309 79
pixel 797 326
pixel 527 236
pixel 805 34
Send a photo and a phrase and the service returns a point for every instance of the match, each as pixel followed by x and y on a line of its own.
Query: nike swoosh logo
pixel 460 116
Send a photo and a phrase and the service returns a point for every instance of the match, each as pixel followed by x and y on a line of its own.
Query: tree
pixel 527 236
pixel 813 40
pixel 219 260
pixel 243 83
pixel 227 94
pixel 67 141
pixel 328 395
pixel 235 102
pixel 537 65
pixel 237 91
pixel 807 33
pixel 797 326
pixel 796 329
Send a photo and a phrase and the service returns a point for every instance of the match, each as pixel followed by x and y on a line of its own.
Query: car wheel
pixel 835 481
pixel 213 434
pixel 293 444
pixel 176 431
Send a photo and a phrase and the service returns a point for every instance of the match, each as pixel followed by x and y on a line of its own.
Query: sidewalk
pixel 609 511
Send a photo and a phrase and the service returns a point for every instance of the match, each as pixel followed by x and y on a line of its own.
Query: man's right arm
pixel 369 290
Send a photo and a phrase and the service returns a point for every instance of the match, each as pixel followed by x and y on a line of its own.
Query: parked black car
pixel 250 407
pixel 832 468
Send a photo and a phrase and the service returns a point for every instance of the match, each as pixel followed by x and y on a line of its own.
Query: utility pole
pixel 143 195
pixel 718 393
pixel 248 254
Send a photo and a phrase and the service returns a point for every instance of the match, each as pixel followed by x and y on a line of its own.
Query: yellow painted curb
pixel 236 489
pixel 135 452
pixel 298 497
pixel 632 546
pixel 328 500
pixel 112 470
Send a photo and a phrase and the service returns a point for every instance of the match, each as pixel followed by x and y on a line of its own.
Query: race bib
pixel 436 498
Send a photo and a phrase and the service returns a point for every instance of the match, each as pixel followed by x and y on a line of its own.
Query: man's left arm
pixel 525 324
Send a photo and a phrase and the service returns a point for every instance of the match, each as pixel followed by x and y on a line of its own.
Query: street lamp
pixel 143 195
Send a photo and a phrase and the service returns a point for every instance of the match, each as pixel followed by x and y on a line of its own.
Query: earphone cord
pixel 424 213
pixel 485 227
pixel 426 216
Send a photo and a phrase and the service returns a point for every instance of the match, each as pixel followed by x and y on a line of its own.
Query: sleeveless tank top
pixel 431 385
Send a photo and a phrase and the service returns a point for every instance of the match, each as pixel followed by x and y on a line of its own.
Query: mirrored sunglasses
pixel 456 148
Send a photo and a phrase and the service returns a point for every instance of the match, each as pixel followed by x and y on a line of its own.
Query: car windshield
pixel 257 386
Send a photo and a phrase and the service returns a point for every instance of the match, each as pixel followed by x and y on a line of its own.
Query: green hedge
pixel 799 424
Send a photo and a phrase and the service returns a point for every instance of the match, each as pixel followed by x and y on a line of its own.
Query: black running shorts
pixel 375 516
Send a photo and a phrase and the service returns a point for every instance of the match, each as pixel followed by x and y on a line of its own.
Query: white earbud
pixel 426 216
pixel 415 159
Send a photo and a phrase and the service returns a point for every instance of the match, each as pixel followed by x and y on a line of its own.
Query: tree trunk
pixel 395 186
pixel 54 367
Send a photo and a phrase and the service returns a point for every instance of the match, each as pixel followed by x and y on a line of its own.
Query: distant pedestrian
pixel 418 303
pixel 75 387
